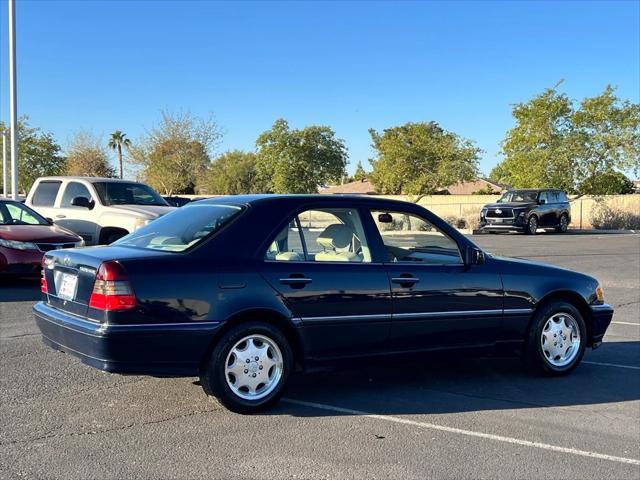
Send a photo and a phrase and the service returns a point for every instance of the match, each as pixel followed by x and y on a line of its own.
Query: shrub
pixel 455 221
pixel 604 217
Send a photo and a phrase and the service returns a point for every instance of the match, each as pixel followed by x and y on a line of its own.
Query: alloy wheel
pixel 560 339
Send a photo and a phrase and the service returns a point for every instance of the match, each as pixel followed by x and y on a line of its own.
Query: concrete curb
pixel 571 231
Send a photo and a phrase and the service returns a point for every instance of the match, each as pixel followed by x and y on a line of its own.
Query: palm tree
pixel 116 141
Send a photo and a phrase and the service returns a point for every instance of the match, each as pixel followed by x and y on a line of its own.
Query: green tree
pixel 39 154
pixel 538 151
pixel 232 173
pixel 117 140
pixel 556 143
pixel 360 174
pixel 175 154
pixel 299 161
pixel 86 157
pixel 420 159
pixel 606 183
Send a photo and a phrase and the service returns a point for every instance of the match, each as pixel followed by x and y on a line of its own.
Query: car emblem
pixel 66 260
pixel 498 211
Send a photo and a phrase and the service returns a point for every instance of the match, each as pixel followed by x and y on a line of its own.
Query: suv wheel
pixel 557 339
pixel 249 368
pixel 532 225
pixel 563 224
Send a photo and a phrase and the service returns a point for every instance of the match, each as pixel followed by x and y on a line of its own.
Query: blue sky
pixel 102 66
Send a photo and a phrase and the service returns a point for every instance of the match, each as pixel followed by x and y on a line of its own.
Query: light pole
pixel 5 193
pixel 13 104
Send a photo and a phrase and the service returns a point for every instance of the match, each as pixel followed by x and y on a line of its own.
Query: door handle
pixel 61 216
pixel 405 281
pixel 298 282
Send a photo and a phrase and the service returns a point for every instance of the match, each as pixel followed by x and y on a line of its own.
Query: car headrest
pixel 336 235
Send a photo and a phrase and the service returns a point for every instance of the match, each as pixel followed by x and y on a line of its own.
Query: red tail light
pixel 112 290
pixel 43 278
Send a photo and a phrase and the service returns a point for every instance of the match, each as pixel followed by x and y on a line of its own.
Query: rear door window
pixel 46 193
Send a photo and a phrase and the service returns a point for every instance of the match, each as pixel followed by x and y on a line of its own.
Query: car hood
pixel 38 233
pixel 150 211
pixel 511 205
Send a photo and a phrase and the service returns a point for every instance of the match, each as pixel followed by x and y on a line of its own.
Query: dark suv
pixel 527 211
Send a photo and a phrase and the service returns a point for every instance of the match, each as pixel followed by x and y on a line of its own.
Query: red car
pixel 24 237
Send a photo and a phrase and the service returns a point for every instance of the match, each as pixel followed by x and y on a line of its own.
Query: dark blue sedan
pixel 245 290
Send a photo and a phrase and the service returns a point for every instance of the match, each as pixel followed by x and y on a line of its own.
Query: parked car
pixel 527 211
pixel 244 290
pixel 176 201
pixel 100 210
pixel 25 236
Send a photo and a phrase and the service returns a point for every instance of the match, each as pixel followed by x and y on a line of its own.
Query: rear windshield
pixel 123 193
pixel 181 229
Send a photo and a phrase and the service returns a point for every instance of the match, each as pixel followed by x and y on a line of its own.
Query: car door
pixel 44 197
pixel 80 220
pixel 546 208
pixel 438 301
pixel 321 265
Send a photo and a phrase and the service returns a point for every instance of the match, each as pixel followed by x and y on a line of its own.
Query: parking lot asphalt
pixel 440 418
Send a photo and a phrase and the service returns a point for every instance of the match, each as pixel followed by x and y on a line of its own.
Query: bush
pixel 604 217
pixel 455 221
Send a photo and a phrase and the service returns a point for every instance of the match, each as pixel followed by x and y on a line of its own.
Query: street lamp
pixel 13 116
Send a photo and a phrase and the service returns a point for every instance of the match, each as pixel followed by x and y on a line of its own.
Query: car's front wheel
pixel 557 339
pixel 248 368
pixel 532 225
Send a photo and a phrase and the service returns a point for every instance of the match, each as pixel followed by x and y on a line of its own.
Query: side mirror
pixel 542 201
pixel 49 220
pixel 82 202
pixel 474 256
pixel 385 218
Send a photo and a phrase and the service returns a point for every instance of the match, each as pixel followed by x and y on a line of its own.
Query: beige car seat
pixel 274 252
pixel 337 241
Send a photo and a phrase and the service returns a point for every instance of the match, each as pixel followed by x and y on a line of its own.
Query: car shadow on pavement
pixel 459 385
pixel 19 289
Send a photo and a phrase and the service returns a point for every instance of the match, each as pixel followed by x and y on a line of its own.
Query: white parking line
pixel 627 323
pixel 468 433
pixel 617 365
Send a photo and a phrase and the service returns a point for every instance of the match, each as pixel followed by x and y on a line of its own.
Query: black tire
pixel 534 356
pixel 213 377
pixel 563 223
pixel 532 225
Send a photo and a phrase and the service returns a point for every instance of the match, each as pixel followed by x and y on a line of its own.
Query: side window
pixel 322 235
pixel 544 196
pixel 409 238
pixel 73 190
pixel 45 194
pixel 563 197
pixel 21 215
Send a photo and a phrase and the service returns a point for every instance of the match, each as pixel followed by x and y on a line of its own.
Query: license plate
pixel 497 220
pixel 68 286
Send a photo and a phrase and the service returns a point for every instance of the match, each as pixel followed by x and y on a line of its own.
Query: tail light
pixel 112 290
pixel 43 278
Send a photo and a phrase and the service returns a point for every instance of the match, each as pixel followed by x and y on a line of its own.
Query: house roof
pixel 359 187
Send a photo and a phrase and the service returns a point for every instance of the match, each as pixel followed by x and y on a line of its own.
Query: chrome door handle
pixel 405 280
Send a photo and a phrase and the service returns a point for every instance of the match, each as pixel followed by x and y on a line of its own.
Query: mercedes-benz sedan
pixel 245 290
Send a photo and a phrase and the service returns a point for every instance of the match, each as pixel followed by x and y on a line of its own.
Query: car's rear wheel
pixel 563 224
pixel 248 368
pixel 557 339
pixel 532 225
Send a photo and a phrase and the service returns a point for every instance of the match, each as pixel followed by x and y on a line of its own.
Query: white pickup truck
pixel 100 210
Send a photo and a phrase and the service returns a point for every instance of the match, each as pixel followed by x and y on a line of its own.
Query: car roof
pixel 308 199
pixel 88 179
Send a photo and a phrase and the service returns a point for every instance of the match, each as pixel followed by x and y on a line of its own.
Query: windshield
pixel 13 213
pixel 519 196
pixel 125 193
pixel 182 228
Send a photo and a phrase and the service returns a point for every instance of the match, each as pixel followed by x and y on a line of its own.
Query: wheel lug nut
pixel 248 360
pixel 555 344
pixel 246 371
pixel 254 375
pixel 260 367
pixel 257 358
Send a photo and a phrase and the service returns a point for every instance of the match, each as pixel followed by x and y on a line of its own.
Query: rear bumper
pixel 601 316
pixel 155 349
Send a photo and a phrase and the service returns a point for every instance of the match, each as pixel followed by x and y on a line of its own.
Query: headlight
pixel 599 294
pixel 141 222
pixel 18 245
pixel 483 212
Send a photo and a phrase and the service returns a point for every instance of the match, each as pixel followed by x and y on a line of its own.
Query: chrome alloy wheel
pixel 560 339
pixel 564 223
pixel 253 367
pixel 532 225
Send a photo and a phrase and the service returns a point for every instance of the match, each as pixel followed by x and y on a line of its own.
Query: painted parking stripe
pixel 468 433
pixel 617 365
pixel 627 323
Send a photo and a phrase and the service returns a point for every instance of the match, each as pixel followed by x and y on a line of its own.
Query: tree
pixel 421 158
pixel 117 140
pixel 233 173
pixel 175 154
pixel 557 143
pixel 607 183
pixel 360 174
pixel 538 151
pixel 87 157
pixel 39 155
pixel 299 161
